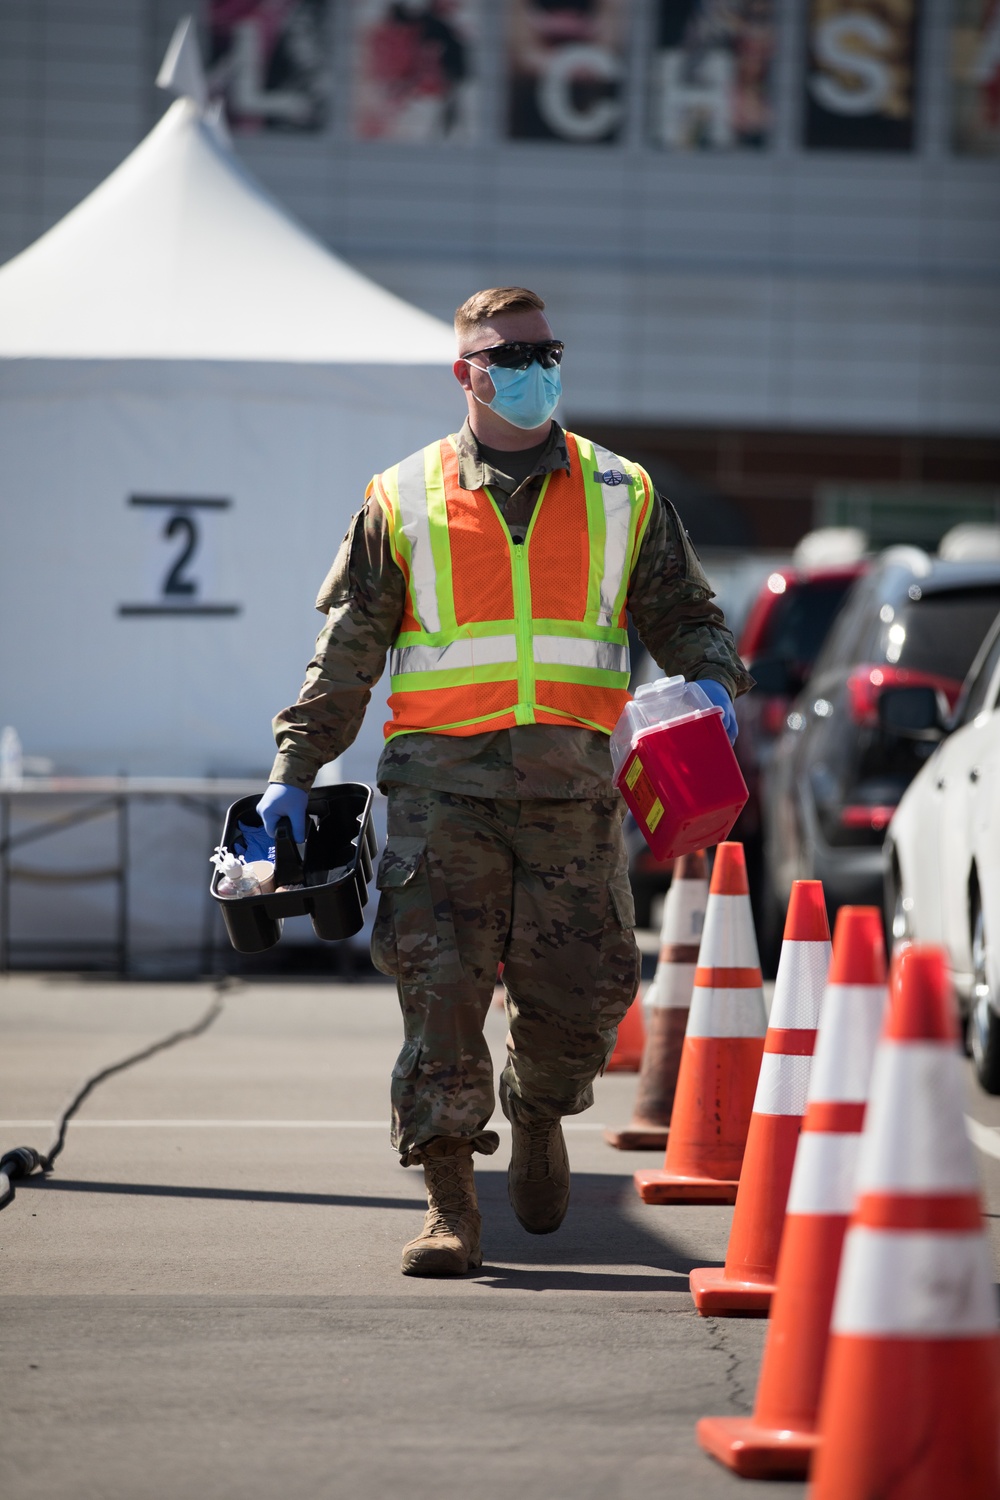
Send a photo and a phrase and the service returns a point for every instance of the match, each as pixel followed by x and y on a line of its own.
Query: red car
pixel 785 628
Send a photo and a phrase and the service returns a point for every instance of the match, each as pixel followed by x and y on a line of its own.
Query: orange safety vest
pixel 496 634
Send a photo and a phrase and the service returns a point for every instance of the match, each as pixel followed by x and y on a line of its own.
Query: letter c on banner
pixel 831 40
pixel 555 99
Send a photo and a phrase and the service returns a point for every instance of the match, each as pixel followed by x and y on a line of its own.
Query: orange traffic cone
pixel 627 1056
pixel 746 1283
pixel 665 1007
pixel 780 1437
pixel 911 1394
pixel 722 1051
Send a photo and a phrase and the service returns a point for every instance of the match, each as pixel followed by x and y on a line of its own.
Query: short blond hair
pixel 482 306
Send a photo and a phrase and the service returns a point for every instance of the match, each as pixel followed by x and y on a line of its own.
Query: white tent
pixel 194 393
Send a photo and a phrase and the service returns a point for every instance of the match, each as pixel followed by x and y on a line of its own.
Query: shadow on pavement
pixel 603 1227
pixel 222 1195
pixel 598 1230
pixel 515 1279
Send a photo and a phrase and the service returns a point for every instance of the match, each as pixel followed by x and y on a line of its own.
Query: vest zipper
pixel 524 711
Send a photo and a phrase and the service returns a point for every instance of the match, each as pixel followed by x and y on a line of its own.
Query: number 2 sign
pixel 181 536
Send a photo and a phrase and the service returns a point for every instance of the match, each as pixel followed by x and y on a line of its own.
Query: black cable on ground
pixel 21 1161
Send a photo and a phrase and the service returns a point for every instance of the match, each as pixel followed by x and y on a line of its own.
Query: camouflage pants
pixel 467 883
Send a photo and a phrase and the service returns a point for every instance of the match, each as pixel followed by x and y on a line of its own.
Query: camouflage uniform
pixel 468 882
pixel 504 846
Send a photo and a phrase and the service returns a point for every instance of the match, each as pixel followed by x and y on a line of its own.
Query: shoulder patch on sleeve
pixel 689 562
pixel 336 586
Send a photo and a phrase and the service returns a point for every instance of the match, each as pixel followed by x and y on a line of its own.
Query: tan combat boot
pixel 449 1242
pixel 538 1176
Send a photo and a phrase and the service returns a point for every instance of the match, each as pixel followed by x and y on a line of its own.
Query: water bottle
pixel 11 757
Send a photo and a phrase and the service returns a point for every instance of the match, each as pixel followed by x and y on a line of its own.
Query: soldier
pixel 495 567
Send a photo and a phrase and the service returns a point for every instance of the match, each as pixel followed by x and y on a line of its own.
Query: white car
pixel 942 847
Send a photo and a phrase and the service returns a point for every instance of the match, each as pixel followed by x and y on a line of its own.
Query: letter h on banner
pixel 690 106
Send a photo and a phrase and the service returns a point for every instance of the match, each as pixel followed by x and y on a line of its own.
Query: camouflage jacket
pixel 362 596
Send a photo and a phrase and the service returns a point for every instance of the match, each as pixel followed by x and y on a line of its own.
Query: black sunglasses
pixel 518 355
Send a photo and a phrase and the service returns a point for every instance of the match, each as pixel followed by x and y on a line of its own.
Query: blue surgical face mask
pixel 525 398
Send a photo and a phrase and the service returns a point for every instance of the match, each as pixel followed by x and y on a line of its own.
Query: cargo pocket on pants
pixel 398 867
pixel 621 899
pixel 407 1063
pixel 413 938
pixel 403 1093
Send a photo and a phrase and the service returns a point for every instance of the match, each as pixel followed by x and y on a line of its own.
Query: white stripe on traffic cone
pixel 911 1394
pixel 746 1282
pixel 665 1008
pixel 721 1054
pixel 780 1437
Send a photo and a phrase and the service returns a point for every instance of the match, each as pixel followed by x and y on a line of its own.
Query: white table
pixel 38 808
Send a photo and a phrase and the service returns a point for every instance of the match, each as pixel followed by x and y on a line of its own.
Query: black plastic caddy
pixel 332 877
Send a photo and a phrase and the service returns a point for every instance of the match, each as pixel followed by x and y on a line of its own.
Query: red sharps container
pixel 675 767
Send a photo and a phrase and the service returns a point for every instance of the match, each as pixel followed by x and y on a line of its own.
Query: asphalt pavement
pixel 204 1298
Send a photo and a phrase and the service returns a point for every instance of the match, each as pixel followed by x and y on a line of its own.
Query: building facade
pixel 768 232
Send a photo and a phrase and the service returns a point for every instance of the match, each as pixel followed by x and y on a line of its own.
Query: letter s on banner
pixel 555 93
pixel 831 41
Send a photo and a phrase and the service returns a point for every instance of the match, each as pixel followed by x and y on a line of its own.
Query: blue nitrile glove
pixel 280 801
pixel 718 696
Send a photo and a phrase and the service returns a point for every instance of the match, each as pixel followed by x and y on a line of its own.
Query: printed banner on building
pixel 567 70
pixel 861 75
pixel 414 70
pixel 268 58
pixel 975 73
pixel 710 85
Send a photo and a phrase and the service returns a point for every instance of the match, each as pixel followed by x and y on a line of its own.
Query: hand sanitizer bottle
pixel 235 879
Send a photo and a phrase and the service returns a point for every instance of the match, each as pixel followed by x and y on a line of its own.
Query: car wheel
pixel 984 1023
pixel 898 908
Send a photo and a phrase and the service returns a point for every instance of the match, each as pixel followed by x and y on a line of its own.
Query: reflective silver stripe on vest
pixel 574 651
pixel 473 651
pixel 412 491
pixel 617 516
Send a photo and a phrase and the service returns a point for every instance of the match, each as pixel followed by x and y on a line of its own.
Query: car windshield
pixel 801 619
pixel 939 633
pixel 973 697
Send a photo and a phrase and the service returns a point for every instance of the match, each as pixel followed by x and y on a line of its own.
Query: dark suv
pixel 836 775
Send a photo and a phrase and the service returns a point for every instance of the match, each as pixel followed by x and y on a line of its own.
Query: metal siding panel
pixel 782 285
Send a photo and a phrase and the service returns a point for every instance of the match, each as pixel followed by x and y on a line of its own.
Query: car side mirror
pixel 776 677
pixel 911 713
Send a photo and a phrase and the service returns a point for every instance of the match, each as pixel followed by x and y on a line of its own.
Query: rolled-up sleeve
pixel 362 597
pixel 672 607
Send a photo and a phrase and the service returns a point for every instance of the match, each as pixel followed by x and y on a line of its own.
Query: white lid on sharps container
pixel 667 700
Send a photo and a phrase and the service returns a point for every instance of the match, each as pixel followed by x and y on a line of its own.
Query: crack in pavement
pixel 735 1388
